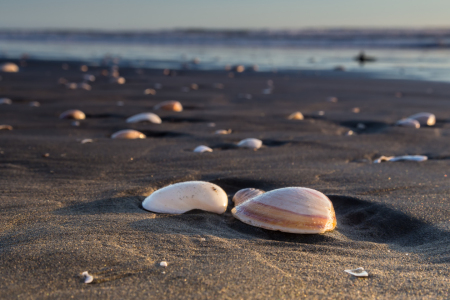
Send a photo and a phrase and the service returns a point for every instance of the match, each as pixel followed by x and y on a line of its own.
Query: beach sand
pixel 79 207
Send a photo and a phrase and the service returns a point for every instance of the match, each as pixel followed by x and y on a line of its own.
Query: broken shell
pixel 181 197
pixel 223 131
pixel 292 209
pixel 73 114
pixel 424 118
pixel 87 277
pixel 250 143
pixel 359 272
pixel 9 67
pixel 128 134
pixel 408 123
pixel 6 127
pixel 6 101
pixel 418 158
pixel 145 117
pixel 246 194
pixel 296 116
pixel 202 148
pixel 170 106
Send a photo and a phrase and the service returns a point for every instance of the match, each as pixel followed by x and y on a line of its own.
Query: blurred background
pixel 405 39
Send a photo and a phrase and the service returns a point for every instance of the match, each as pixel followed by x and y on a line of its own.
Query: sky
pixel 224 14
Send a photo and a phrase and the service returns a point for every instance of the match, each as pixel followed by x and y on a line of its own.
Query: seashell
pixel 84 68
pixel 250 143
pixel 356 110
pixel 350 132
pixel 145 117
pixel 84 86
pixel 246 194
pixel 223 131
pixel 89 77
pixel 424 118
pixel 181 197
pixel 34 104
pixel 332 99
pixel 163 264
pixel 321 113
pixel 71 85
pixel 194 86
pixel 359 272
pixel 6 101
pixel 149 92
pixel 292 209
pixel 296 116
pixel 408 123
pixel 202 148
pixel 128 134
pixel 73 114
pixel 9 67
pixel 85 141
pixel 170 106
pixel 418 158
pixel 6 127
pixel 87 278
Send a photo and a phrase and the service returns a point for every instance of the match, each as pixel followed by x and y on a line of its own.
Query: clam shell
pixel 202 148
pixel 87 278
pixel 246 194
pixel 292 209
pixel 73 114
pixel 170 106
pixel 145 117
pixel 6 101
pixel 181 197
pixel 296 116
pixel 128 134
pixel 250 143
pixel 408 123
pixel 6 127
pixel 9 67
pixel 424 118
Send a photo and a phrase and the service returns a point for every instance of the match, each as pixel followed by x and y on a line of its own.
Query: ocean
pixel 399 54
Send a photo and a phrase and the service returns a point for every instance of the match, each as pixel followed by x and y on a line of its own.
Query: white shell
pixel 296 116
pixel 9 67
pixel 5 101
pixel 250 143
pixel 128 134
pixel 87 141
pixel 359 272
pixel 401 158
pixel 202 148
pixel 145 117
pixel 163 264
pixel 424 118
pixel 181 197
pixel 292 209
pixel 87 277
pixel 408 123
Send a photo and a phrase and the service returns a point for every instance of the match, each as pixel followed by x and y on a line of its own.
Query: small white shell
pixel 181 197
pixel 87 277
pixel 73 114
pixel 292 209
pixel 6 101
pixel 424 118
pixel 163 264
pixel 250 143
pixel 408 123
pixel 296 116
pixel 128 134
pixel 418 158
pixel 246 194
pixel 359 272
pixel 9 67
pixel 223 131
pixel 145 117
pixel 202 148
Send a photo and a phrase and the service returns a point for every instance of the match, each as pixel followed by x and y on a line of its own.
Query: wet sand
pixel 79 207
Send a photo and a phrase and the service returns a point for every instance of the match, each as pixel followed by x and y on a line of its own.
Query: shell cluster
pixel 292 209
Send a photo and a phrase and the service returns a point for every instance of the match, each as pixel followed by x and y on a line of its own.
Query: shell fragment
pixel 359 272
